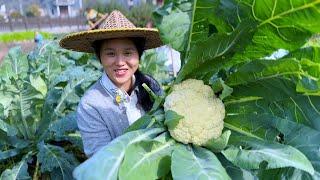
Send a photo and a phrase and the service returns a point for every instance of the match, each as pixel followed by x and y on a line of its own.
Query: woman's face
pixel 120 60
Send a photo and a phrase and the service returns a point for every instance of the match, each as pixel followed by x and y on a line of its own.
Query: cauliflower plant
pixel 203 112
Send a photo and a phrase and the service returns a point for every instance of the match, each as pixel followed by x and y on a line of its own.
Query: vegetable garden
pixel 271 104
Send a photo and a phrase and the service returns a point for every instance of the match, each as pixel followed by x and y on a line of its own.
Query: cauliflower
pixel 203 112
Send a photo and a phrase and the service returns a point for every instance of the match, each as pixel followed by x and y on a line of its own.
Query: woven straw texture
pixel 116 20
pixel 116 25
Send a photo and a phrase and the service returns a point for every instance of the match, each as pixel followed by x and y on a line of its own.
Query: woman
pixel 117 99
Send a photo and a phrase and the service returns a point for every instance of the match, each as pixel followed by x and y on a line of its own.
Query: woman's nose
pixel 120 60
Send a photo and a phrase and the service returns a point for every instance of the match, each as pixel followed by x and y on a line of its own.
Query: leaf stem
pixel 35 174
pixel 239 130
pixel 146 87
pixel 191 27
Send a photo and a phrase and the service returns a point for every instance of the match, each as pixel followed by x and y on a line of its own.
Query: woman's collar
pixel 110 86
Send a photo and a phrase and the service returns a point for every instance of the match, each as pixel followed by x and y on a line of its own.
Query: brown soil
pixel 26 47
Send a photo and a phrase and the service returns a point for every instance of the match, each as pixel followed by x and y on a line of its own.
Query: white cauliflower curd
pixel 203 112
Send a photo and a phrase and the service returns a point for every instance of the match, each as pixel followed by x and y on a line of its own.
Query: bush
pixel 33 11
pixel 138 15
pixel 2 18
pixel 141 14
pixel 15 15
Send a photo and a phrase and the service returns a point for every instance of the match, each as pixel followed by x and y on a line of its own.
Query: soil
pixel 26 47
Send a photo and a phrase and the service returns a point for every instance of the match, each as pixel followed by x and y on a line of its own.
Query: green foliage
pixel 313 41
pixel 112 156
pixel 2 18
pixel 196 163
pixel 276 155
pixel 272 123
pixel 112 5
pixel 33 11
pixel 37 117
pixel 138 15
pixel 141 14
pixel 19 171
pixel 15 15
pixel 153 63
pixel 153 157
pixel 21 36
pixel 54 158
pixel 272 106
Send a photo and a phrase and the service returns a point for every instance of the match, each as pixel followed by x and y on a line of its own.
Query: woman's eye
pixel 110 54
pixel 128 53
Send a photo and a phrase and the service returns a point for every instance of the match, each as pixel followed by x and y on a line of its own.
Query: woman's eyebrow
pixel 113 49
pixel 130 48
pixel 107 49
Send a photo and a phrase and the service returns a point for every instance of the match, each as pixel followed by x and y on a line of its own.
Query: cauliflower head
pixel 203 112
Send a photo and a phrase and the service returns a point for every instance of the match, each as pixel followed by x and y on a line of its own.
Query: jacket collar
pixel 110 87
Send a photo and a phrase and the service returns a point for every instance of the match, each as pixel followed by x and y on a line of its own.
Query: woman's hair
pixel 143 97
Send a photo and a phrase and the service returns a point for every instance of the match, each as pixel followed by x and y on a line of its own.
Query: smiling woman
pixel 117 99
pixel 120 59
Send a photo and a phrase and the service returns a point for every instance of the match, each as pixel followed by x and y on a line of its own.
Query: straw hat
pixel 116 25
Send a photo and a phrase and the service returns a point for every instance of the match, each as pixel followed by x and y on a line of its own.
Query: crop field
pixel 232 112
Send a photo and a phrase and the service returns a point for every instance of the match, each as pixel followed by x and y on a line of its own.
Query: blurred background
pixel 23 21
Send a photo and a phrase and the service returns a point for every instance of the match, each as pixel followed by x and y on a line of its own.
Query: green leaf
pixel 153 62
pixel 217 145
pixel 48 114
pixel 281 24
pixel 284 103
pixel 6 100
pixel 18 172
pixel 57 99
pixel 311 53
pixel 172 119
pixel 274 154
pixel 176 37
pixel 9 153
pixel 245 116
pixel 14 141
pixel 54 157
pixel 196 163
pixel 264 69
pixel 305 70
pixel 64 125
pixel 23 107
pixel 106 162
pixel 218 85
pixel 208 56
pixel 235 172
pixel 50 61
pixel 39 84
pixel 7 128
pixel 14 65
pixel 141 123
pixel 147 160
pixel 302 137
pixel 157 99
pixel 173 21
pixel 151 119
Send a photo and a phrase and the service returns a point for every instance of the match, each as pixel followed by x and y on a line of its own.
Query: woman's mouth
pixel 120 72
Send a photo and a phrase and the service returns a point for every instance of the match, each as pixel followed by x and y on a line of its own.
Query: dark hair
pixel 143 97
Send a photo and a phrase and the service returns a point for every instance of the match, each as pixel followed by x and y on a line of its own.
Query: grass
pixel 21 36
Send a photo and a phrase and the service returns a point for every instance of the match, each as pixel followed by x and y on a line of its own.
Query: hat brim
pixel 82 41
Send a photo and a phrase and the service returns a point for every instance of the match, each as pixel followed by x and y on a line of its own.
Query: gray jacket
pixel 100 119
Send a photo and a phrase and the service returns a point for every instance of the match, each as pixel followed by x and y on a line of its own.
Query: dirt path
pixel 26 47
pixel 3 51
